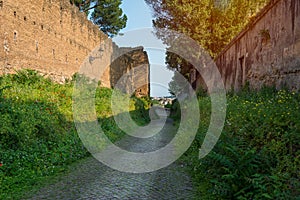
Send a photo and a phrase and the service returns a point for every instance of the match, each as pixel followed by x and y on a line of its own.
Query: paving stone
pixel 90 179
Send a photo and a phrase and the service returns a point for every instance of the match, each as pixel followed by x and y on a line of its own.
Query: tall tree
pixel 107 14
pixel 211 23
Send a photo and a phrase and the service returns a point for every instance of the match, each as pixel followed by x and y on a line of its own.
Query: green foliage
pixel 155 102
pixel 168 105
pixel 177 84
pixel 81 4
pixel 109 16
pixel 38 138
pixel 175 110
pixel 201 92
pixel 212 24
pixel 28 77
pixel 141 118
pixel 257 156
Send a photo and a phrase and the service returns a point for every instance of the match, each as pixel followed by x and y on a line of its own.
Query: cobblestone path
pixel 90 179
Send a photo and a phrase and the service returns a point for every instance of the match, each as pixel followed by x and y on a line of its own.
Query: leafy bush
pixel 37 134
pixel 257 156
pixel 28 77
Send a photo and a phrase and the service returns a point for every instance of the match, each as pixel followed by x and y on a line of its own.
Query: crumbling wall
pixel 130 67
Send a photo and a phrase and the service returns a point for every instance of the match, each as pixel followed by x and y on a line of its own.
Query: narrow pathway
pixel 91 179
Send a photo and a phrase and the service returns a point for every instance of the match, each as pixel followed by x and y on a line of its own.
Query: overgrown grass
pixel 257 156
pixel 38 138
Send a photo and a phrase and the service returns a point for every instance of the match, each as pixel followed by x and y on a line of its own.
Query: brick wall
pixel 51 36
pixel 54 38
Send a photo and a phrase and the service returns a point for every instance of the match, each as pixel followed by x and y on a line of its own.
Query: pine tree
pixel 107 14
pixel 83 5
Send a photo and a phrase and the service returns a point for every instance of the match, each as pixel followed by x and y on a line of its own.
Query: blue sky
pixel 138 33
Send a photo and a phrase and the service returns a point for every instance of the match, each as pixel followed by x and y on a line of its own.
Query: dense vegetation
pixel 38 138
pixel 258 154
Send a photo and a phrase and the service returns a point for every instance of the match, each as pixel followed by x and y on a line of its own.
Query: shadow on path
pixel 90 179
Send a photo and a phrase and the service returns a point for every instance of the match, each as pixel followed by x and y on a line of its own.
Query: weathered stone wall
pixel 54 38
pixel 267 52
pixel 132 65
pixel 51 36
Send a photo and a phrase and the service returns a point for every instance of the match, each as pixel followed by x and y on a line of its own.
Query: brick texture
pixel 54 38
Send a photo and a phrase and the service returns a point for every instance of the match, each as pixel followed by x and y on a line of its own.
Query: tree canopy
pixel 211 23
pixel 107 14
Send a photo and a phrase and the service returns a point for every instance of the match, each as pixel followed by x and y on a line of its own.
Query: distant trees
pixel 107 14
pixel 211 23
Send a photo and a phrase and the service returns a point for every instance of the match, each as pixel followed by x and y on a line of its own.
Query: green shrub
pixel 257 156
pixel 28 77
pixel 38 138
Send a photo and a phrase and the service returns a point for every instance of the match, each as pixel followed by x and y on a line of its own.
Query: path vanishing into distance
pixel 90 179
